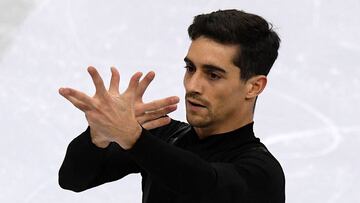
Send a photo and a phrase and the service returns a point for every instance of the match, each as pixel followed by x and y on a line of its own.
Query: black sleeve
pixel 85 165
pixel 188 175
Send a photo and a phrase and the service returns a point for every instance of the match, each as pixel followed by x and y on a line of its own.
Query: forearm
pixel 85 165
pixel 81 164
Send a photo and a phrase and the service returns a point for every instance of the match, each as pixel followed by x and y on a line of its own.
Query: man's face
pixel 213 81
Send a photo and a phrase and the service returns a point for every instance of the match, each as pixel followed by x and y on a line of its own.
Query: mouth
pixel 196 104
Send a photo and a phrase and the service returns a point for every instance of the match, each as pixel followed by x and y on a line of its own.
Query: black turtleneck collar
pixel 220 142
pixel 246 131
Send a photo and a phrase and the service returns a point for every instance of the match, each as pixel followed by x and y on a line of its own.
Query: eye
pixel 214 76
pixel 189 68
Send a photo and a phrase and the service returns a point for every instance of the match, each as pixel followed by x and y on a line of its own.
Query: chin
pixel 197 121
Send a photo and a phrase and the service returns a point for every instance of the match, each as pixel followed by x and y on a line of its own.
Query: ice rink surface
pixel 308 115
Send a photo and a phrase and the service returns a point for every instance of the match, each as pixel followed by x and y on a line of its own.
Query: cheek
pixel 219 99
pixel 226 100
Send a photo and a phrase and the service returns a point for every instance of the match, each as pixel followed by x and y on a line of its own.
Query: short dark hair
pixel 258 43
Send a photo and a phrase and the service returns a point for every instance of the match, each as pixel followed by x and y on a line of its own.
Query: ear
pixel 255 86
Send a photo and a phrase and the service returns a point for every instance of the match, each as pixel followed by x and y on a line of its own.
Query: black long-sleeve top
pixel 228 167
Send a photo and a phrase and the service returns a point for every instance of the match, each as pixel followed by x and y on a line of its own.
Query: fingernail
pixel 61 90
pixel 64 91
pixel 89 69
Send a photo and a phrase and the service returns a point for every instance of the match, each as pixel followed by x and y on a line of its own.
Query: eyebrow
pixel 208 67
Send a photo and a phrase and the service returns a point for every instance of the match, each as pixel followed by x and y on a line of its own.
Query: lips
pixel 195 103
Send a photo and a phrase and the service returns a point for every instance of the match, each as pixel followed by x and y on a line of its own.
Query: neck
pixel 229 126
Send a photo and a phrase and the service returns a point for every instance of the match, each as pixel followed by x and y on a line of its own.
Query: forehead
pixel 207 51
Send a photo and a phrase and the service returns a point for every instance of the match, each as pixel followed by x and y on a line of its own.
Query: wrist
pixel 100 143
pixel 133 137
pixel 98 140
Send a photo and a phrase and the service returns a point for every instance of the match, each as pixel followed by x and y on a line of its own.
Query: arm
pixel 86 165
pixel 91 159
pixel 188 175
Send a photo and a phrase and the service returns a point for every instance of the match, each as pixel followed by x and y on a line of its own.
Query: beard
pixel 201 119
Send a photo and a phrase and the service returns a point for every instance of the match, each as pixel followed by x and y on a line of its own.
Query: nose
pixel 193 82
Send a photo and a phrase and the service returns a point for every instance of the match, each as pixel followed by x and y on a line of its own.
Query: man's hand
pixel 111 115
pixel 151 115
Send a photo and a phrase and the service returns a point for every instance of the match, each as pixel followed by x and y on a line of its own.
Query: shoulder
pixel 258 157
pixel 261 169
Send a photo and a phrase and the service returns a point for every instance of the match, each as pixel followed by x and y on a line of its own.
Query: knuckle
pixel 158 115
pixel 170 109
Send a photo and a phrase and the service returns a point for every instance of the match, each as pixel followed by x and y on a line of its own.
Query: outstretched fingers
pixel 98 82
pixel 156 123
pixel 114 82
pixel 144 83
pixel 133 84
pixel 161 103
pixel 78 99
pixel 153 115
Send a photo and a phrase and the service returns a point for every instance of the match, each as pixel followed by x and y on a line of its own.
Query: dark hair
pixel 258 43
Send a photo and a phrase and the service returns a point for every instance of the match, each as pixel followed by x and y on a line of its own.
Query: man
pixel 214 158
